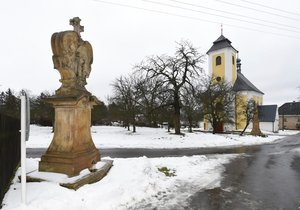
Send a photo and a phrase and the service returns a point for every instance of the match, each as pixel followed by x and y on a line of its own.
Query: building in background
pixel 289 116
pixel 268 118
pixel 224 65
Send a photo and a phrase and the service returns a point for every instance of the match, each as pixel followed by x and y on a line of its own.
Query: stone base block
pixel 86 177
pixel 68 163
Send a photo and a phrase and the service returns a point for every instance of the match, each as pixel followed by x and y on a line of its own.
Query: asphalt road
pixel 268 179
pixel 151 153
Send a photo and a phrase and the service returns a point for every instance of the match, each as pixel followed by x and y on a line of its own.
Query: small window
pixel 284 119
pixel 218 60
pixel 233 62
pixel 218 79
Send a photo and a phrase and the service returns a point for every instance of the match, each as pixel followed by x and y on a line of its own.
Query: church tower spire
pixel 221 29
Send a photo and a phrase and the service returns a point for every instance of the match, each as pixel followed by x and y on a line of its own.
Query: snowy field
pixel 134 183
pixel 119 137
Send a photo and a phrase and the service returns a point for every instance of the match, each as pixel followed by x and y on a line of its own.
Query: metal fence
pixel 9 151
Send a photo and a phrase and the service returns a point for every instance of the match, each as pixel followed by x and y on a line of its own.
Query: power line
pixel 257 10
pixel 212 14
pixel 194 18
pixel 236 14
pixel 273 8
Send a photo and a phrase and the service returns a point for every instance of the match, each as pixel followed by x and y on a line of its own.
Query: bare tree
pixel 126 98
pixel 190 108
pixel 246 110
pixel 217 99
pixel 152 96
pixel 175 72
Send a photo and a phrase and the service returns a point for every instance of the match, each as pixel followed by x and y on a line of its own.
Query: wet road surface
pixel 151 153
pixel 267 179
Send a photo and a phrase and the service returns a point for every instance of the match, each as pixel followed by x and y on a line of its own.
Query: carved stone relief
pixel 73 58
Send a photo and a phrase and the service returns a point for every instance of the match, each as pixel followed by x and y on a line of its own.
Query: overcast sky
pixel 123 32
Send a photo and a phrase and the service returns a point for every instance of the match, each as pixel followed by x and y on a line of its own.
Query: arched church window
pixel 218 60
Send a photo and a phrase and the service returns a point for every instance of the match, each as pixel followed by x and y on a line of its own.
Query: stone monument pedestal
pixel 72 148
pixel 255 129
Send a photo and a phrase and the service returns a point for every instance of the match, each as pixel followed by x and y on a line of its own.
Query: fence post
pixel 23 148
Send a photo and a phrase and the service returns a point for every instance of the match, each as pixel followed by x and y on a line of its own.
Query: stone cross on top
pixel 75 22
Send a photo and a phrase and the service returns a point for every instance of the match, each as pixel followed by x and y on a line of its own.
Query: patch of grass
pixel 168 172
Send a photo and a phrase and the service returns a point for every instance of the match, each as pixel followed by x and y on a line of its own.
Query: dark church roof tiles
pixel 243 84
pixel 220 43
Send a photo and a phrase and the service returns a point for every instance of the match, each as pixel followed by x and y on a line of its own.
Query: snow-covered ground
pixel 133 183
pixel 130 183
pixel 119 137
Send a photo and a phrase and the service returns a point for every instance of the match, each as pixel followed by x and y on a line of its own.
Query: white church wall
pixel 250 94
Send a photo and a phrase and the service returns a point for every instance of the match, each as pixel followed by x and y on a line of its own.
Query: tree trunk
pixel 133 123
pixel 242 133
pixel 133 128
pixel 177 123
pixel 214 125
pixel 177 112
pixel 190 125
pixel 190 128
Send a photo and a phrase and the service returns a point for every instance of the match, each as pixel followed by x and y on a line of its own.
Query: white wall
pixel 269 126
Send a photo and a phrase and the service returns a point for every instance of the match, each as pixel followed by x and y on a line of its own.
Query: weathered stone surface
pixel 72 148
pixel 90 178
pixel 74 182
pixel 72 57
pixel 255 129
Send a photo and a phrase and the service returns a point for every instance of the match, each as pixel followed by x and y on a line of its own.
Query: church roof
pixel 243 84
pixel 220 43
pixel 267 113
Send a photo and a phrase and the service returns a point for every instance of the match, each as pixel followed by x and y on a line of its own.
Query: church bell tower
pixel 222 58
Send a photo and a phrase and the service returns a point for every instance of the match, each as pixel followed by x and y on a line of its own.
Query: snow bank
pixel 130 183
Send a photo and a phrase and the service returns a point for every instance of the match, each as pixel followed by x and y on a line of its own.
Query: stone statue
pixel 72 148
pixel 73 58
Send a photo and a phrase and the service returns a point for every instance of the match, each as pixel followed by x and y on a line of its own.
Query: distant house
pixel 289 116
pixel 268 118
